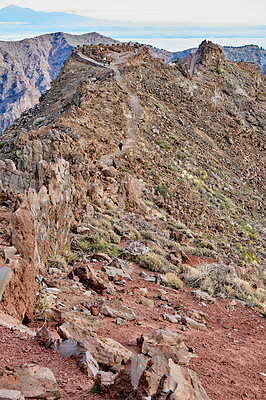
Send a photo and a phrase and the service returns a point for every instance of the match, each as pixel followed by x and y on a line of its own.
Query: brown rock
pixel 193 324
pixel 19 296
pixel 89 278
pixel 164 341
pixel 101 257
pixel 31 380
pixel 156 378
pixel 10 322
pixel 113 308
pixel 23 231
pixel 105 351
pixel 44 337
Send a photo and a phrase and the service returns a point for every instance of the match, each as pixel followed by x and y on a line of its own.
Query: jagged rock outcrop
pixel 207 54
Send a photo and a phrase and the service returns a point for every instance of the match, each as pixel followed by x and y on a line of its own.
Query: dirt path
pixel 136 110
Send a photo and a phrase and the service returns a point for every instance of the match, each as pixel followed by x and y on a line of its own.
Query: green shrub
pixel 163 144
pixel 218 70
pixel 18 153
pixel 162 190
pixel 2 145
pixel 38 121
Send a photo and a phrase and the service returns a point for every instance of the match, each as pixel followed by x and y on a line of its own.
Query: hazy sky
pixel 198 12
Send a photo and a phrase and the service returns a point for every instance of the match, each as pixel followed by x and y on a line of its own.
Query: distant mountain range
pixel 30 23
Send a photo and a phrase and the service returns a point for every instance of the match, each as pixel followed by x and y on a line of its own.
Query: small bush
pixel 219 72
pixel 2 145
pixel 163 144
pixel 38 121
pixel 176 225
pixel 153 262
pixel 162 190
pixel 18 153
pixel 70 257
pixel 57 262
pixel 171 279
pixel 43 302
pixel 113 237
pixel 94 244
pixel 94 389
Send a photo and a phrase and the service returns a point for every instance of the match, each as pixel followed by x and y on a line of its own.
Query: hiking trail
pixel 136 109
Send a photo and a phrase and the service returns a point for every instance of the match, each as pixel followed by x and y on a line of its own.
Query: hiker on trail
pixel 120 145
pixel 104 61
pixel 108 62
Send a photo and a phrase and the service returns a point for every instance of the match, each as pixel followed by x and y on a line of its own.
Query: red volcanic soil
pixel 230 354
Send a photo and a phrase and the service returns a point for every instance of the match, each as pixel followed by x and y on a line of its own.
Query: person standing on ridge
pixel 120 144
pixel 104 61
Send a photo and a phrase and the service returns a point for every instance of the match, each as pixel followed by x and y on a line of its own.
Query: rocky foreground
pixel 141 270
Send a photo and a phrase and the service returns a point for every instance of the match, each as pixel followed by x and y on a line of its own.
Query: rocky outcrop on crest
pixel 207 54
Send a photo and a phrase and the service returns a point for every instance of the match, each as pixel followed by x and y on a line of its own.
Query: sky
pixel 189 12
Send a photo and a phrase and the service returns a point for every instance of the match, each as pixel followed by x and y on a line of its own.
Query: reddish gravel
pixel 231 352
pixel 17 348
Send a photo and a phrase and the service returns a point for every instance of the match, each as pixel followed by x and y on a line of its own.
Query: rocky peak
pixel 207 54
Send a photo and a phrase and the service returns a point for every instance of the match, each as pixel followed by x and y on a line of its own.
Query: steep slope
pixel 199 156
pixel 248 53
pixel 184 198
pixel 27 68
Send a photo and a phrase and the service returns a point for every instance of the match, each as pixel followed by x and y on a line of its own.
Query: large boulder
pixel 113 308
pixel 89 278
pixel 105 351
pixel 31 380
pixel 164 341
pixel 156 378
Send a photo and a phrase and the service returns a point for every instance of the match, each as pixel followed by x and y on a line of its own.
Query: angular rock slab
pixel 70 348
pixel 113 308
pixel 105 351
pixel 164 341
pixel 10 322
pixel 10 395
pixel 156 378
pixel 31 380
pixel 9 252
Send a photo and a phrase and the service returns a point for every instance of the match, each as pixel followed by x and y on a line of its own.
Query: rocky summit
pixel 114 251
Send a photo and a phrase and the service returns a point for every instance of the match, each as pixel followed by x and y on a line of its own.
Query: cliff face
pixel 193 155
pixel 27 68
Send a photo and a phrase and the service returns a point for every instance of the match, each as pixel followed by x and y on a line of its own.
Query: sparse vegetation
pixel 43 302
pixel 162 190
pixel 153 262
pixel 163 144
pixel 171 279
pixel 58 261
